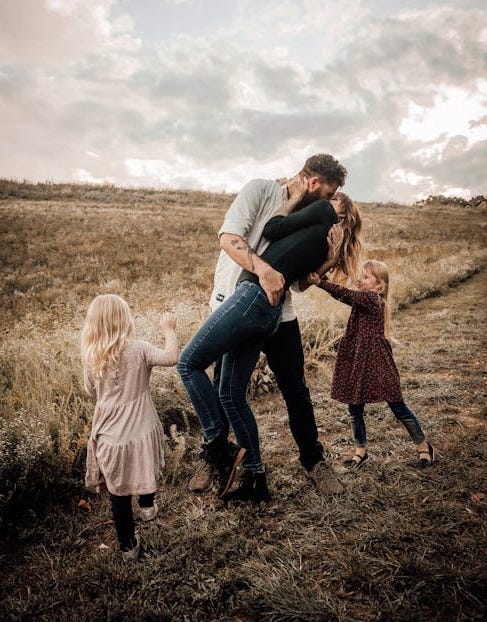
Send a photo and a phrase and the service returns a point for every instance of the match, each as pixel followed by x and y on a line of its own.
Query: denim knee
pixel 407 417
pixel 182 367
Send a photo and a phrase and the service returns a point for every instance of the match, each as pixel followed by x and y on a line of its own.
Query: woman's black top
pixel 298 244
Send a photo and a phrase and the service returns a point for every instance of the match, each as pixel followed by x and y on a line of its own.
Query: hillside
pixel 400 544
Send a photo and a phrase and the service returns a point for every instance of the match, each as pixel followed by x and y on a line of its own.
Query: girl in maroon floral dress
pixel 365 370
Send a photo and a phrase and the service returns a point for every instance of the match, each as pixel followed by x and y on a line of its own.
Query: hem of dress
pixel 132 492
pixel 369 401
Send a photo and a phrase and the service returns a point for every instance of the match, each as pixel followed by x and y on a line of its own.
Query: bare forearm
pixel 271 281
pixel 244 255
pixel 297 187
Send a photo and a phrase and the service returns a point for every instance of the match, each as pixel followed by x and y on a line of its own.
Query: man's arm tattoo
pixel 250 255
pixel 240 245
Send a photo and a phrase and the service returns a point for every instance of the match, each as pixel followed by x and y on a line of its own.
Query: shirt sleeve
pixel 368 300
pixel 315 214
pixel 156 356
pixel 243 212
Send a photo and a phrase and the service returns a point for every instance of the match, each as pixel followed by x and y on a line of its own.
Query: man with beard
pixel 241 243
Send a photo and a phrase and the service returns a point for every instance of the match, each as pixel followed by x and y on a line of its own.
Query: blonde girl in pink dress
pixel 125 448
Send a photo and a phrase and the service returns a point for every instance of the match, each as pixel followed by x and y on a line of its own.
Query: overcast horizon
pixel 207 94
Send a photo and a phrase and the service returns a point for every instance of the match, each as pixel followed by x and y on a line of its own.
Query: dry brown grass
pixel 400 544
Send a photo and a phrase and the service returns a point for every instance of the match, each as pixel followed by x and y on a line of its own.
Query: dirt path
pixel 447 351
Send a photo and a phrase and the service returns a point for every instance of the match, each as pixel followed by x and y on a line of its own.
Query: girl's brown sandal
pixel 427 457
pixel 353 463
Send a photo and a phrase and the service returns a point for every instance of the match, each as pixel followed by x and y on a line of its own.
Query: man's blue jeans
pixel 236 331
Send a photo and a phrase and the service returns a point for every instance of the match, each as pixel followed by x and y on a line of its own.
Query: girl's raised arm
pixel 366 299
pixel 170 354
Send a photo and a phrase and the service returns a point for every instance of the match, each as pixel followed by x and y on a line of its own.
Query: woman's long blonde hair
pixel 108 326
pixel 381 272
pixel 351 249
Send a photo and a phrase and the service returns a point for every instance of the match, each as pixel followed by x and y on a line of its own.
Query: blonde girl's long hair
pixel 381 272
pixel 108 326
pixel 351 249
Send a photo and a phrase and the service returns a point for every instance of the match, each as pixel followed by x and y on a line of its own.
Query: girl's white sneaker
pixel 132 554
pixel 147 514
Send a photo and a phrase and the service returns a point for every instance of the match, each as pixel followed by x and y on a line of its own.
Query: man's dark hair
pixel 326 167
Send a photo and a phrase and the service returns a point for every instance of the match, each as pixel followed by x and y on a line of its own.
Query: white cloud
pixel 408 177
pixel 454 111
pixel 151 169
pixel 57 32
pixel 458 192
pixel 83 176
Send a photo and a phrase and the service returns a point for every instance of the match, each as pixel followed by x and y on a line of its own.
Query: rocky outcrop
pixel 477 201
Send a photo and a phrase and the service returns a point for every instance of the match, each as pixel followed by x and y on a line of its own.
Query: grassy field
pixel 399 544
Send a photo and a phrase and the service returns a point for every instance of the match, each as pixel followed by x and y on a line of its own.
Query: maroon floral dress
pixel 365 370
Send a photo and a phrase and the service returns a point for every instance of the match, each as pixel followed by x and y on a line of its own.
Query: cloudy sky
pixel 206 94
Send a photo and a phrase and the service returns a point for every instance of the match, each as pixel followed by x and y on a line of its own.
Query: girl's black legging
pixel 124 518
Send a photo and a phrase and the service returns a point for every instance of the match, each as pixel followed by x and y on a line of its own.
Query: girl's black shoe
pixel 252 488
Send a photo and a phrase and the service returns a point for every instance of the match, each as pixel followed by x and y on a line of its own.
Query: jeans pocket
pixel 260 317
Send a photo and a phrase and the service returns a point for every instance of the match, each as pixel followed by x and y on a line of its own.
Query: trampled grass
pixel 400 544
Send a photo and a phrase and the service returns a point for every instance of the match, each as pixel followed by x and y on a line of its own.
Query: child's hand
pixel 313 278
pixel 168 321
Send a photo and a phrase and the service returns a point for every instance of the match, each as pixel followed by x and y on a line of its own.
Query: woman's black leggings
pixel 124 518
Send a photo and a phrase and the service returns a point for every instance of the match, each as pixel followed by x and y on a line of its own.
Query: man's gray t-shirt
pixel 257 202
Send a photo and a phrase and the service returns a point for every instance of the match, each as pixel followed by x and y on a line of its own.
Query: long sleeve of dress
pixel 366 299
pixel 158 356
pixel 319 213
